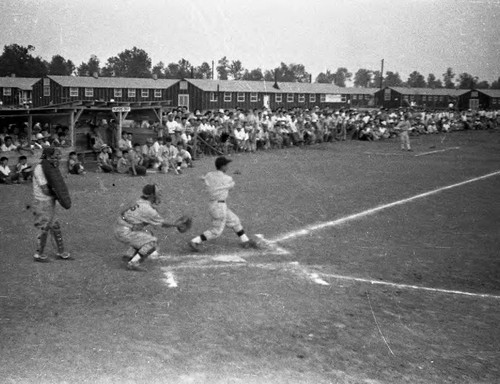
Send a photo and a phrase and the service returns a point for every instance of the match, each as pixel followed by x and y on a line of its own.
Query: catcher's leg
pixel 57 235
pixel 141 255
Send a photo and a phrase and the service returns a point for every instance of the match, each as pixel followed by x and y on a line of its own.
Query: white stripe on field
pixel 310 228
pixel 439 150
pixel 407 286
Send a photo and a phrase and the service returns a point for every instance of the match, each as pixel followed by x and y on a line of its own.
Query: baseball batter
pixel 130 226
pixel 218 184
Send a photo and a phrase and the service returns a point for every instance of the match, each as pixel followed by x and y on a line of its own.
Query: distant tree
pixel 432 82
pixel 392 79
pixel 467 81
pixel 159 70
pixel 341 76
pixel 204 71
pixel 269 75
pixel 375 81
pixel 495 84
pixel 223 68
pixel 448 78
pixel 236 69
pixel 483 85
pixel 254 75
pixel 416 80
pixel 19 61
pixel 362 78
pixel 292 73
pixel 325 77
pixel 60 66
pixel 133 62
pixel 89 68
pixel 179 70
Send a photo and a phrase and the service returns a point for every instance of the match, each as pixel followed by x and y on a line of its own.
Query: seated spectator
pixel 96 141
pixel 23 169
pixel 136 161
pixel 241 137
pixel 151 153
pixel 40 142
pixel 168 155
pixel 124 144
pixel 103 160
pixel 184 159
pixel 8 145
pixel 75 167
pixel 121 162
pixel 6 176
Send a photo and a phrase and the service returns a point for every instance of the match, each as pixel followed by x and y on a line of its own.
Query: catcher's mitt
pixel 56 184
pixel 184 223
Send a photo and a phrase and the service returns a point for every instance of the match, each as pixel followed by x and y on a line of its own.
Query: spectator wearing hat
pixel 103 159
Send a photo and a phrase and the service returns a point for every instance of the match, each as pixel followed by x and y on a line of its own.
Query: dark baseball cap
pixel 221 161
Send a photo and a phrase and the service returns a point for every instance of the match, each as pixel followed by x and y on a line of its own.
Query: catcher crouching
pixel 130 227
pixel 49 187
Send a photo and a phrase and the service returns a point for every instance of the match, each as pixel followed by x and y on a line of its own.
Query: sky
pixel 423 35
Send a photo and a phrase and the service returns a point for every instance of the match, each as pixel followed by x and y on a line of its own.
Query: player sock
pixel 243 237
pixel 199 239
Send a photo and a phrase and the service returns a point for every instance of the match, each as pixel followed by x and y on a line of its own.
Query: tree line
pixel 20 61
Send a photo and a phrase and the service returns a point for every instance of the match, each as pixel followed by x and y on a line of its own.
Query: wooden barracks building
pixel 67 99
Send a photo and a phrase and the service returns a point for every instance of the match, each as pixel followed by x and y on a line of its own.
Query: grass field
pixel 407 294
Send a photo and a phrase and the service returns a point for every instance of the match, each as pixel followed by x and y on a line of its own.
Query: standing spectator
pixel 136 161
pixel 404 128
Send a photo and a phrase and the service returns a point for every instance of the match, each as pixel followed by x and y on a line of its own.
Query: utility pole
pixel 382 74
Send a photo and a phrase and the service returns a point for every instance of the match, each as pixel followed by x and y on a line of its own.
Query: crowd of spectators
pixel 184 136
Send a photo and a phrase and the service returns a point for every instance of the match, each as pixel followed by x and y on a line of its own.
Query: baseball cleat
pixel 134 266
pixel 195 247
pixel 64 256
pixel 41 258
pixel 250 244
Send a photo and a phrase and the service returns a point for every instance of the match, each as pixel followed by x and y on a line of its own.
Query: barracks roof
pixel 264 86
pixel 24 83
pixel 490 92
pixel 429 91
pixel 113 82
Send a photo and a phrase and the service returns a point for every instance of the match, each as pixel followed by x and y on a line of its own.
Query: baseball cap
pixel 221 161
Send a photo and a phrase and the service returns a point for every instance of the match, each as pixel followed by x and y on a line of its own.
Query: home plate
pixel 229 259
